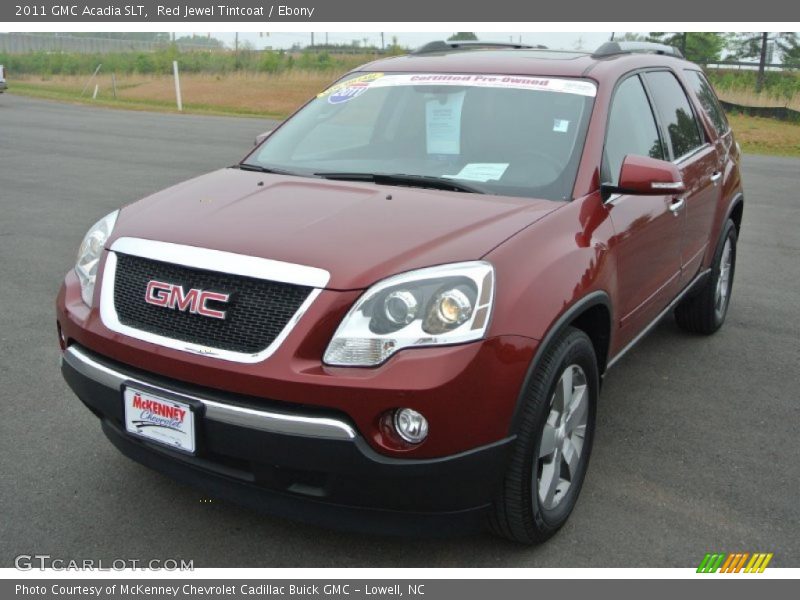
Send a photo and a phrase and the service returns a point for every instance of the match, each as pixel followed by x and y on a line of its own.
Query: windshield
pixel 498 134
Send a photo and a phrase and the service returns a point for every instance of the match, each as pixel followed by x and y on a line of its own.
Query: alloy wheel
pixel 724 280
pixel 562 441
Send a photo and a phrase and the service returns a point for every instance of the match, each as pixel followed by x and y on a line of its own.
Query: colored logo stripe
pixel 758 563
pixel 734 562
pixel 710 563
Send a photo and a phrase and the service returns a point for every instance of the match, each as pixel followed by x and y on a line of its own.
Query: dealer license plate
pixel 159 419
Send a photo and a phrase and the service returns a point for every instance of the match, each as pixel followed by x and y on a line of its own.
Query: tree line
pixel 710 47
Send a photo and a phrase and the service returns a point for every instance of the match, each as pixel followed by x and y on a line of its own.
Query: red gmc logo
pixel 195 301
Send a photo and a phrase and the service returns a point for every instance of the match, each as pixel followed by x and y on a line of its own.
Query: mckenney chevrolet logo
pixel 735 562
pixel 157 414
pixel 170 295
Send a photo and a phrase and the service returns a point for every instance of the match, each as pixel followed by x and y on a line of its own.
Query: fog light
pixel 411 425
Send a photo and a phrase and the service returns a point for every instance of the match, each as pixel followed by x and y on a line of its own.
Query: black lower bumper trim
pixel 291 506
pixel 336 483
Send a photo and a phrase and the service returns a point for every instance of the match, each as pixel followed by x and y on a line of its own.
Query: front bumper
pixel 303 463
pixel 468 392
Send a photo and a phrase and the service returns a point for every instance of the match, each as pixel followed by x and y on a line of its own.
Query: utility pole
pixel 178 98
pixel 312 39
pixel 383 45
pixel 762 63
pixel 236 50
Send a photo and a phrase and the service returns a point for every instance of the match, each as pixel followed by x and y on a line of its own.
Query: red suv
pixel 396 312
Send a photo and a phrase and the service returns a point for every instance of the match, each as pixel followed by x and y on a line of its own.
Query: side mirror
pixel 645 176
pixel 262 136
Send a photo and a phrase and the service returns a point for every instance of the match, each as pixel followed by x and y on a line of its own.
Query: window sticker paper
pixel 443 123
pixel 560 125
pixel 481 172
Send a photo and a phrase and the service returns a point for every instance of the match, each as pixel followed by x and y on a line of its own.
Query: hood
pixel 359 232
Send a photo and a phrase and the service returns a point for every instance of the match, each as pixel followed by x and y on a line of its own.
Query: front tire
pixel 553 444
pixel 705 311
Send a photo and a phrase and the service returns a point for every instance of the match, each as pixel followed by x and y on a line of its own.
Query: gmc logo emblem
pixel 195 301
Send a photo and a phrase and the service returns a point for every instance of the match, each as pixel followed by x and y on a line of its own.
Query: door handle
pixel 715 177
pixel 677 204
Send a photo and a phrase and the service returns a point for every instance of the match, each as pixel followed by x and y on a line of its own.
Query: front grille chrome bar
pixel 261 420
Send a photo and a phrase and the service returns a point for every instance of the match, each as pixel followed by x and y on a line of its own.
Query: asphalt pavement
pixel 697 446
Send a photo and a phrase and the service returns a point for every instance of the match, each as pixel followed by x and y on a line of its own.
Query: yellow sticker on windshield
pixel 347 90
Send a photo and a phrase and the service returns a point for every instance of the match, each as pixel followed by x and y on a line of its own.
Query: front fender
pixel 546 269
pixel 551 274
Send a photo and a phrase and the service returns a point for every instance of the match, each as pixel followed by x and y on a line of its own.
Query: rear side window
pixel 631 129
pixel 675 112
pixel 708 100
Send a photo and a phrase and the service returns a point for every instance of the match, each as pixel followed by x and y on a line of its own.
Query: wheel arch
pixel 592 314
pixel 736 211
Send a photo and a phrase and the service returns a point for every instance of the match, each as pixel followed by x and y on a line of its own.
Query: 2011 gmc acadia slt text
pixel 396 311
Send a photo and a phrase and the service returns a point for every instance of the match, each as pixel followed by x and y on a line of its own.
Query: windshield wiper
pixel 260 169
pixel 426 181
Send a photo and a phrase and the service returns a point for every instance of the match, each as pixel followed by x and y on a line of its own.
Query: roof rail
pixel 614 48
pixel 441 46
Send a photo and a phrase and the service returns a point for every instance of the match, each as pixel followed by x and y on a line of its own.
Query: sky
pixel 277 40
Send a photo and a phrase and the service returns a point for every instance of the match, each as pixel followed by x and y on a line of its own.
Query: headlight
pixel 448 304
pixel 90 252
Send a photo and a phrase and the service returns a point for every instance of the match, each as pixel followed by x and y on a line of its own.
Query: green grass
pixel 758 135
pixel 159 62
pixel 71 97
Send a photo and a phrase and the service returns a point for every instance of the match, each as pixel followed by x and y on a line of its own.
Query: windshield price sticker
pixel 347 90
pixel 482 172
pixel 443 124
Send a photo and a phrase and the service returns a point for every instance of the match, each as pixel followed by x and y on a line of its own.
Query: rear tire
pixel 704 312
pixel 553 445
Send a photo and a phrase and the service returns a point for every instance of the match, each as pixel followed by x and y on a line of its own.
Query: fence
pixel 20 43
pixel 746 66
pixel 782 113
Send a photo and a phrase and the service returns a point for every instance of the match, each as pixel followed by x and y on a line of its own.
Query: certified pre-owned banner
pixel 444 11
